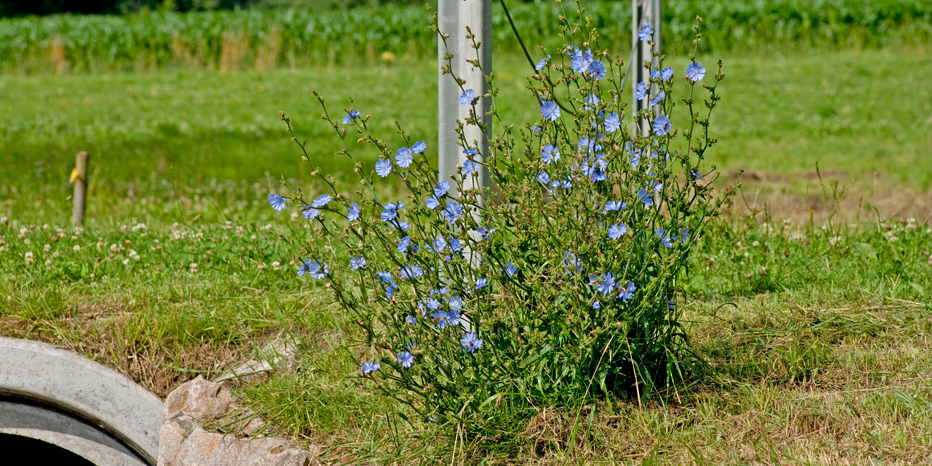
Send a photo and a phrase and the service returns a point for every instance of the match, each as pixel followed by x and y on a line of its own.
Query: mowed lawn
pixel 817 334
pixel 862 116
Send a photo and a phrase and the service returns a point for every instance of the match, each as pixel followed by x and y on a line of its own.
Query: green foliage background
pixel 302 37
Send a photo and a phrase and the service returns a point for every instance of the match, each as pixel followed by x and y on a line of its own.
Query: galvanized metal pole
pixel 477 16
pixel 648 12
pixel 448 19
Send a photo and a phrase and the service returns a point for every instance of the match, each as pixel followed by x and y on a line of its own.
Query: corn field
pixel 263 40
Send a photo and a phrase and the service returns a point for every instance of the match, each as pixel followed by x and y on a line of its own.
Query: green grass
pixel 862 116
pixel 819 337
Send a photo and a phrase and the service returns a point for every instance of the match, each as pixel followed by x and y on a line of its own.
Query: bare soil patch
pixel 820 196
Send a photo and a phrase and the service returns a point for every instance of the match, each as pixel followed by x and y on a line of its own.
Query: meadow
pixel 809 299
pixel 263 40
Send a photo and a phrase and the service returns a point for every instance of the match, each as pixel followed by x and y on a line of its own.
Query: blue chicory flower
pixel 321 201
pixel 370 366
pixel 276 201
pixel 386 277
pixel 541 64
pixel 406 359
pixel 391 211
pixel 627 292
pixel 404 157
pixel 353 212
pixel 310 212
pixel 612 122
pixel 352 115
pixel 469 168
pixel 510 269
pixel 570 260
pixel 646 197
pixel 442 188
pixel 305 265
pixel 645 32
pixel 666 74
pixel 640 92
pixel 658 98
pixel 432 202
pixel 383 167
pixel 543 178
pixel 607 284
pixel 613 206
pixel 403 244
pixel 617 231
pixel 419 147
pixel 549 154
pixel 438 244
pixel 358 262
pixel 453 211
pixel 662 125
pixel 456 303
pixel 664 239
pixel 411 271
pixel 318 269
pixel 597 70
pixel 467 97
pixel 470 342
pixel 550 111
pixel 695 72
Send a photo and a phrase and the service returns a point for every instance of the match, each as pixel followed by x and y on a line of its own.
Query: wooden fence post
pixel 79 178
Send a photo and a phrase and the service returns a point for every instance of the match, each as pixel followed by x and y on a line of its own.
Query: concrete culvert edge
pixel 65 399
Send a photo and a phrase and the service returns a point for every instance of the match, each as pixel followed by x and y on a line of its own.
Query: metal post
pixel 644 12
pixel 448 15
pixel 477 16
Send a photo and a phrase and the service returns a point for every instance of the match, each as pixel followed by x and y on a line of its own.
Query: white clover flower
pixel 76 248
pixel 29 257
pixel 47 248
pixel 276 265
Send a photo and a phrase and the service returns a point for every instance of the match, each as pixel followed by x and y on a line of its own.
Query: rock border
pixel 183 441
